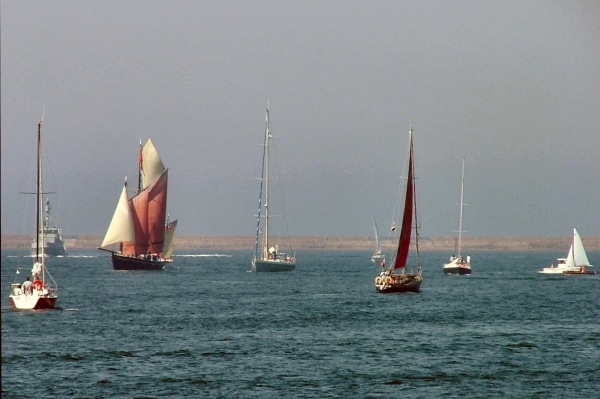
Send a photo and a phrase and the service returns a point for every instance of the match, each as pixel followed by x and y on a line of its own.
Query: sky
pixel 512 86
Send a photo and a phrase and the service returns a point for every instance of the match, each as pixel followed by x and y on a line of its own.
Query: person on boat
pixel 37 283
pixel 27 286
pixel 469 259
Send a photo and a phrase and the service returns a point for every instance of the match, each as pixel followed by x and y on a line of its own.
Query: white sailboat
pixel 42 292
pixel 267 257
pixel 377 257
pixel 458 264
pixel 576 261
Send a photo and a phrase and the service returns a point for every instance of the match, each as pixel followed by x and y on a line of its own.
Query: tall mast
pixel 39 191
pixel 268 135
pixel 462 184
pixel 140 168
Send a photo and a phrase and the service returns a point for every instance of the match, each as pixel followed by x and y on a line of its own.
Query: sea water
pixel 209 328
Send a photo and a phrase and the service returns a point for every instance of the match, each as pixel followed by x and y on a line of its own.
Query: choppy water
pixel 209 328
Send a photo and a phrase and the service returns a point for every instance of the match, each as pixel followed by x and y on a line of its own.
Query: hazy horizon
pixel 511 86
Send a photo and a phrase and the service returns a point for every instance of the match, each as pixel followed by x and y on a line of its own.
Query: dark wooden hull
pixel 121 262
pixel 410 283
pixel 591 272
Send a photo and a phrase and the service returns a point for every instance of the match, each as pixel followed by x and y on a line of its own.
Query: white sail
pixel 121 226
pixel 153 166
pixel 377 242
pixel 577 256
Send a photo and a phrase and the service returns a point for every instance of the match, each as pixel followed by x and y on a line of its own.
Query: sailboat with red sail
pixel 392 280
pixel 139 224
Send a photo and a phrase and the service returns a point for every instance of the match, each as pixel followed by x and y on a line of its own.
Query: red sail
pixel 139 211
pixel 157 213
pixel 404 244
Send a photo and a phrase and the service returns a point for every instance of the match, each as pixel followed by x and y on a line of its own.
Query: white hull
pixel 565 270
pixel 270 265
pixel 38 299
pixel 377 258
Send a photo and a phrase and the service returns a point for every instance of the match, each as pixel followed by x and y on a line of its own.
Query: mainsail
pixel 577 256
pixel 405 233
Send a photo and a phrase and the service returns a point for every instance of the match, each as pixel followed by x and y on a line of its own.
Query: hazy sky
pixel 514 86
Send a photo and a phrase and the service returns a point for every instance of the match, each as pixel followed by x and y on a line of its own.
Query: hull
pixel 53 246
pixel 409 283
pixel 565 270
pixel 377 258
pixel 121 262
pixel 32 302
pixel 259 265
pixel 453 269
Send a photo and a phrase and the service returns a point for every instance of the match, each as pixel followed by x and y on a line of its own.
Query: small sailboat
pixel 267 257
pixel 458 264
pixel 388 280
pixel 139 224
pixel 42 292
pixel 575 263
pixel 377 257
pixel 53 242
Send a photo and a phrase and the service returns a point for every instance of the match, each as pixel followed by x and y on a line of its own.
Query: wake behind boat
pixel 389 281
pixel 576 261
pixel 267 257
pixel 457 264
pixel 139 225
pixel 42 292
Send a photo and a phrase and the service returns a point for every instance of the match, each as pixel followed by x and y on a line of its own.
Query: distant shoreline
pixel 559 244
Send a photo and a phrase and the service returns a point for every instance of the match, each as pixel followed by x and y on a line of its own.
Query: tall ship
pixel 140 226
pixel 53 242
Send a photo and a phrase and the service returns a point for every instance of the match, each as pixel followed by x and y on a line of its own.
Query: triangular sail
pixel 170 239
pixel 405 232
pixel 121 225
pixel 578 252
pixel 377 242
pixel 152 165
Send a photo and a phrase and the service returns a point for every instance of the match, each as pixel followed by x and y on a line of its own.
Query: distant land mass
pixel 559 244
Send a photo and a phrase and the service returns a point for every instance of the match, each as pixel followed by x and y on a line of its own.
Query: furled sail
pixel 121 225
pixel 405 233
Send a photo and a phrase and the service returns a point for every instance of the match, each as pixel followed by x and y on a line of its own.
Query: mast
pixel 38 195
pixel 140 168
pixel 462 184
pixel 266 166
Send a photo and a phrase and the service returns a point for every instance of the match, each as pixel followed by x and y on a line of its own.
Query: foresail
pixel 170 239
pixel 581 258
pixel 121 225
pixel 152 166
pixel 570 258
pixel 405 233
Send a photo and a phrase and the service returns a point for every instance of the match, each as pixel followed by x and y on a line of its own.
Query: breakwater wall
pixel 560 244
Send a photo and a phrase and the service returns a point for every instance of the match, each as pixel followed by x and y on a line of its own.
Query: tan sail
pixel 152 164
pixel 170 239
pixel 121 225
